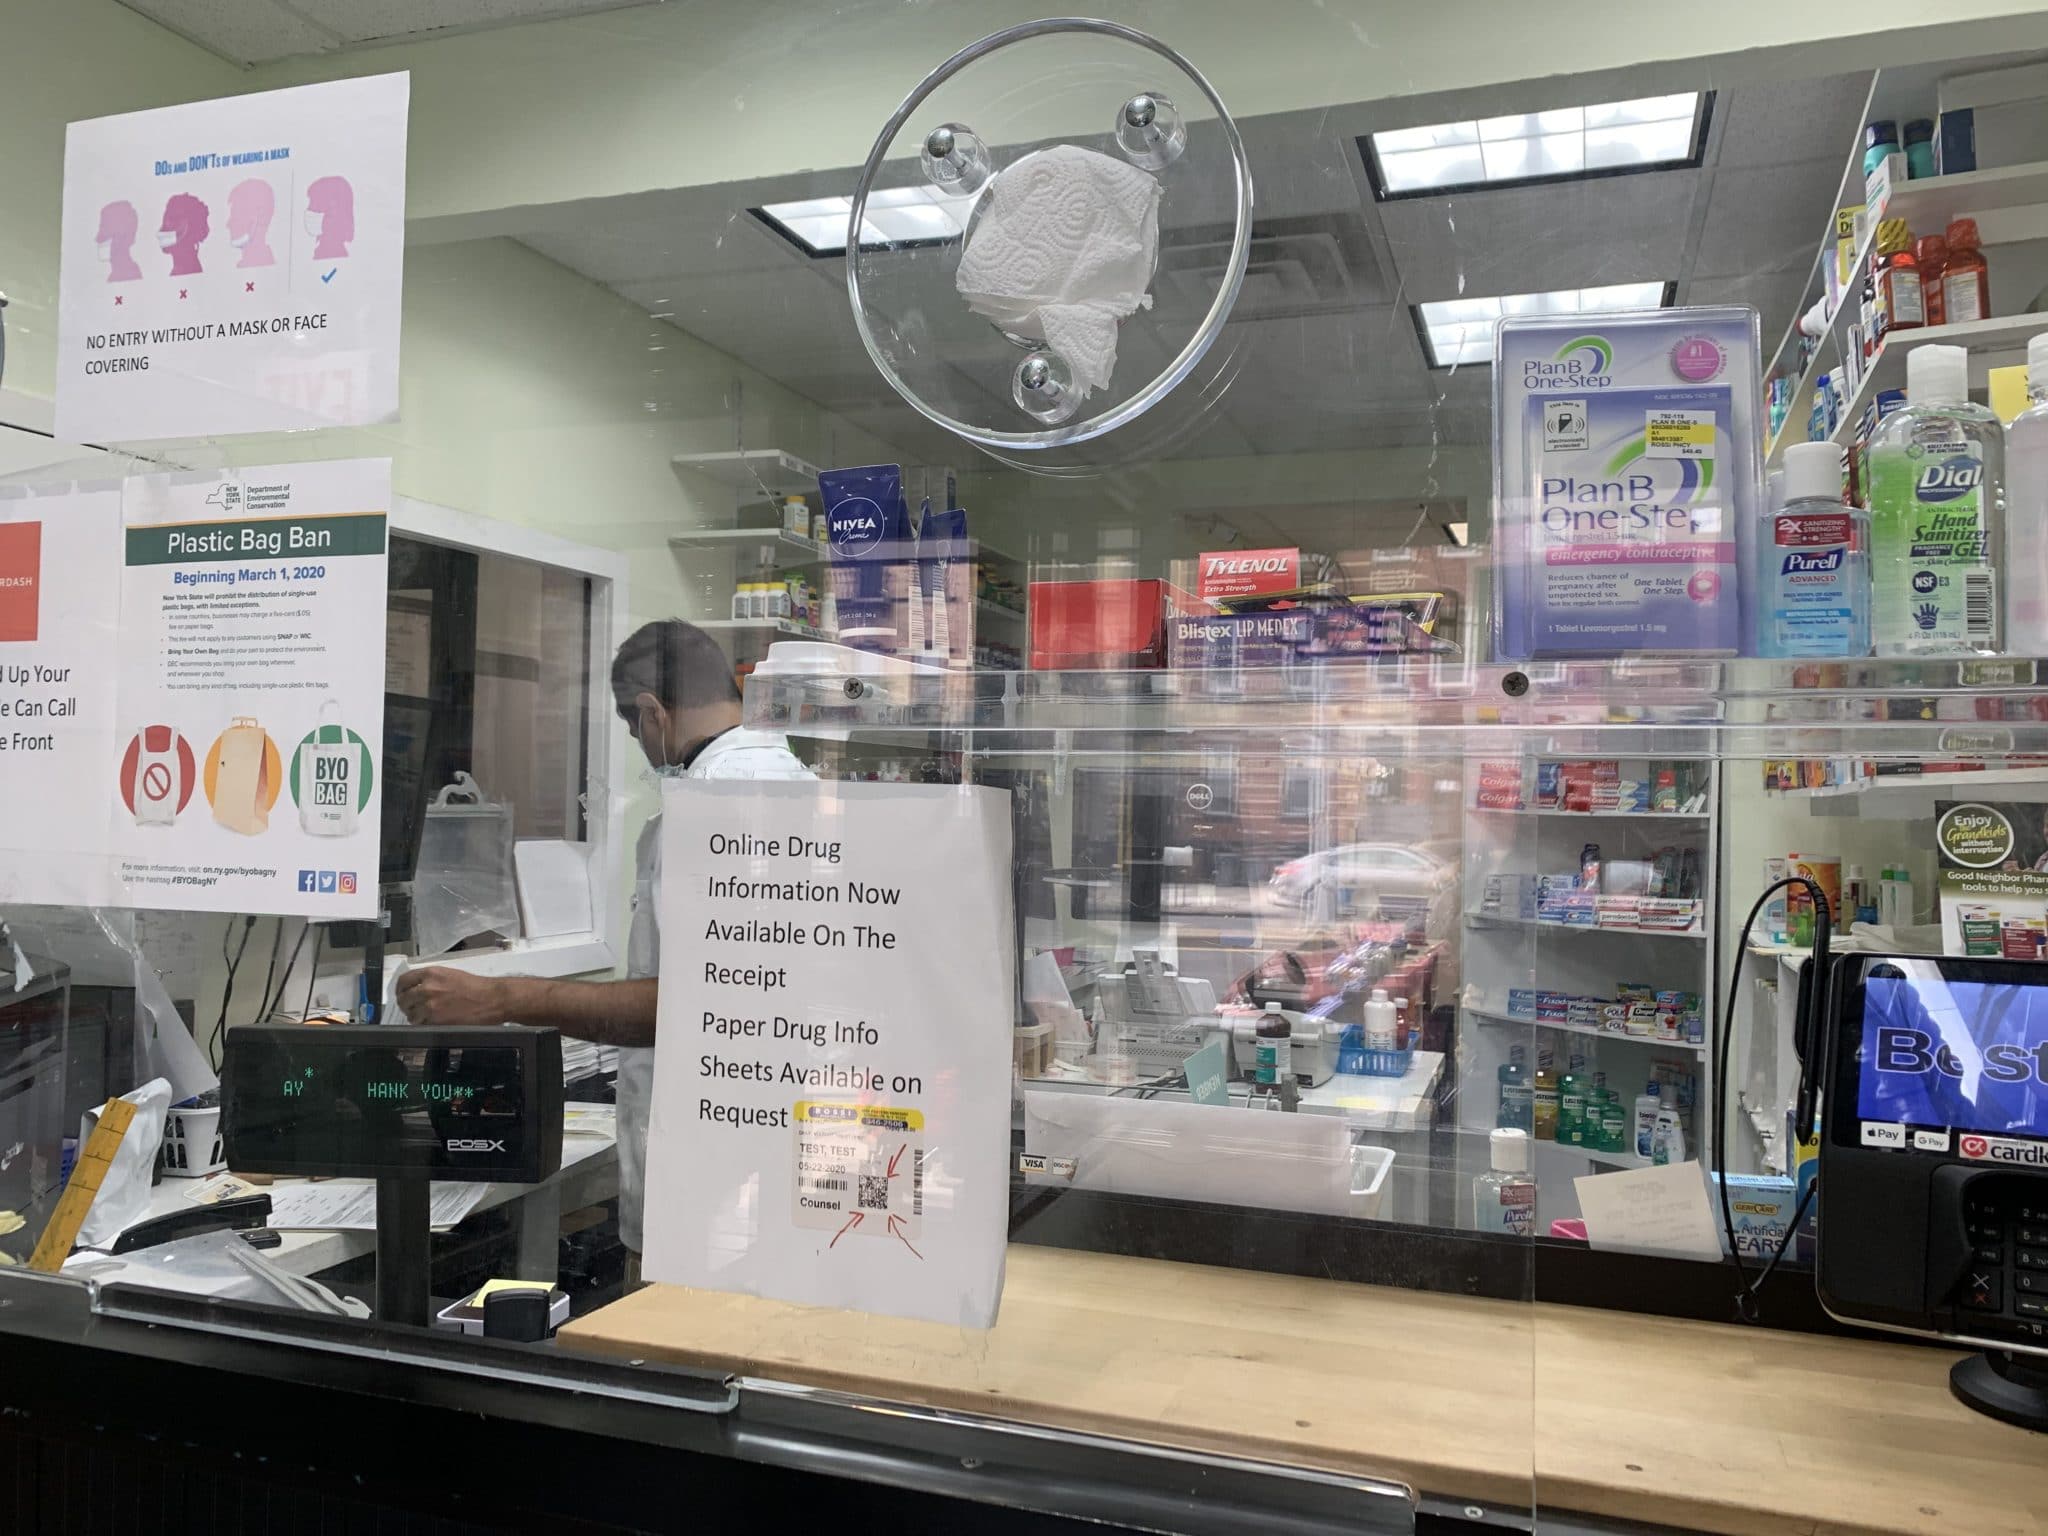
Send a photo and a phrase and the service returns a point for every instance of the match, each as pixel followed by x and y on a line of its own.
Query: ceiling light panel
pixel 1649 133
pixel 894 216
pixel 1458 333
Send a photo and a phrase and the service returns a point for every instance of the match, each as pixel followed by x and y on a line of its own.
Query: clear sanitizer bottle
pixel 1504 1197
pixel 2026 522
pixel 1937 516
pixel 1815 598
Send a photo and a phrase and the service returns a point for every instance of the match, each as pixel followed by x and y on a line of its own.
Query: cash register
pixel 1934 1164
pixel 401 1105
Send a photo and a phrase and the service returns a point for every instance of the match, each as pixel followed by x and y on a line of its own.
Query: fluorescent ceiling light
pixel 894 216
pixel 1651 133
pixel 1458 333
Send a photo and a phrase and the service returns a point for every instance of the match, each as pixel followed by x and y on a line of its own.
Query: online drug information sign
pixel 832 1068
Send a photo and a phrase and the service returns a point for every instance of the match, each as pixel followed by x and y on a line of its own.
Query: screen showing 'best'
pixel 1971 1055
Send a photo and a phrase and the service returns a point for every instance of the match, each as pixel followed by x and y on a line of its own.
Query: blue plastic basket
pixel 1355 1060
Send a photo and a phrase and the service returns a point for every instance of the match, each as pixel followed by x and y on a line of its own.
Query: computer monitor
pixel 408 751
pixel 1934 1164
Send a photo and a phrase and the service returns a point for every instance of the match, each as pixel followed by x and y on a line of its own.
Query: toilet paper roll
pixel 1063 253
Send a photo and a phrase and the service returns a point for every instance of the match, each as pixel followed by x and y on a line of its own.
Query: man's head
pixel 674 689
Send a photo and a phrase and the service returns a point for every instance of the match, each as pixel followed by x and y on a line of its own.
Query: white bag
pixel 159 778
pixel 327 777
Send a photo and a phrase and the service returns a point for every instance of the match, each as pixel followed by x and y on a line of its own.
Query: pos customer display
pixel 1934 1165
pixel 401 1105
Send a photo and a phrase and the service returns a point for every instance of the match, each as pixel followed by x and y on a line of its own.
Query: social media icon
pixel 326 882
pixel 348 882
pixel 306 878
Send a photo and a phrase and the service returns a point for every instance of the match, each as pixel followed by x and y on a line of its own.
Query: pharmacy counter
pixel 1647 1421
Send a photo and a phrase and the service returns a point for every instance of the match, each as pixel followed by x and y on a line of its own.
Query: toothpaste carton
pixel 1626 481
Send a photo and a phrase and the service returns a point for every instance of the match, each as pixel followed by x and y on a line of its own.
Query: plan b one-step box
pixel 1626 477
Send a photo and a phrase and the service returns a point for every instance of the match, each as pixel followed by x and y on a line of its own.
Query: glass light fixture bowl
pixel 982 114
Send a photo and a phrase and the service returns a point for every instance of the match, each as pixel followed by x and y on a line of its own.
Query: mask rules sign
pixel 234 265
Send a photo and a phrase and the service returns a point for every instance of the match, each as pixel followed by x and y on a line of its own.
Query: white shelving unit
pixel 759 470
pixel 1504 951
pixel 2010 205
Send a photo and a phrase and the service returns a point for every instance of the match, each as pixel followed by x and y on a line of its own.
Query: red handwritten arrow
pixel 896 1231
pixel 851 1222
pixel 893 1161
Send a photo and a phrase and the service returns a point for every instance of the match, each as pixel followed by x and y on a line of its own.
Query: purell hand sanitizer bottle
pixel 1815 596
pixel 1937 516
pixel 1504 1198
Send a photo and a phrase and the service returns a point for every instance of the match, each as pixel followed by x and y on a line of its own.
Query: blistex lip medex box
pixel 1626 481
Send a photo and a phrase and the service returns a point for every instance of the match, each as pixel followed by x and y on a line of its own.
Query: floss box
pixel 1626 482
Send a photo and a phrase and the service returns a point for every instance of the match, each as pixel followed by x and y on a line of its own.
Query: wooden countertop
pixel 1692 1425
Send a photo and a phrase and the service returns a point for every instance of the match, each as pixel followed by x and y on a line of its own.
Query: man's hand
pixel 442 994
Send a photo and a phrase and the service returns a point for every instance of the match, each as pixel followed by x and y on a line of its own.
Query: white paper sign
pixel 1650 1210
pixel 233 265
pixel 831 1116
pixel 60 596
pixel 196 721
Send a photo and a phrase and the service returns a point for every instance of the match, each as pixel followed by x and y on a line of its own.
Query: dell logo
pixel 474 1144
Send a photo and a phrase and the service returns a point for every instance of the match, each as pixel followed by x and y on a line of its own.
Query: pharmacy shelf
pixel 759 470
pixel 779 626
pixel 791 550
pixel 1591 1155
pixel 1489 1016
pixel 1967 782
pixel 998 610
pixel 1928 204
pixel 2009 203
pixel 1494 920
pixel 1501 810
pixel 1991 343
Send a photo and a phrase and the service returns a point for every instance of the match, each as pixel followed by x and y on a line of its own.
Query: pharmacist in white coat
pixel 674 689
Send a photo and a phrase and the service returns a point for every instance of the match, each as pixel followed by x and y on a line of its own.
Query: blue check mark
pixel 328 275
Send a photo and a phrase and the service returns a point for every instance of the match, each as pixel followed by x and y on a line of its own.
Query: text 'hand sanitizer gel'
pixel 1937 515
pixel 1814 598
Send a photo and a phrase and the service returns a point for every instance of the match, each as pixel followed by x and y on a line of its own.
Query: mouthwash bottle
pixel 1937 515
pixel 1504 1198
pixel 1516 1092
pixel 1815 597
pixel 2026 527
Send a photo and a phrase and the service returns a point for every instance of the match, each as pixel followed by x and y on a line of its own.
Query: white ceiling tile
pixel 1532 239
pixel 1769 220
pixel 260 31
pixel 240 31
pixel 1779 122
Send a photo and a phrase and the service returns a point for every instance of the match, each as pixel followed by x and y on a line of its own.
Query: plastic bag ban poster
pixel 831 1115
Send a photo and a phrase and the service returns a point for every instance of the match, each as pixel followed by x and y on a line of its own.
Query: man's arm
pixel 607 1012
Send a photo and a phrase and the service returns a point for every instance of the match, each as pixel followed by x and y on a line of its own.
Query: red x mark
pixel 117 301
pixel 248 286
pixel 181 293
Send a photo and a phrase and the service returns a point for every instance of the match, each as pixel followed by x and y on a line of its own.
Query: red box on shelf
pixel 1103 626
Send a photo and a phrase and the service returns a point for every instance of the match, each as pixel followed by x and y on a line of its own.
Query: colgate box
pixel 1102 626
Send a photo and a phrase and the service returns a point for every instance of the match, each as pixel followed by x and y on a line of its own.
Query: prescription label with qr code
pixel 859 1170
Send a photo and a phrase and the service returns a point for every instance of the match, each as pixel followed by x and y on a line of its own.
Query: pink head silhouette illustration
pixel 185 225
pixel 250 207
pixel 331 216
pixel 116 240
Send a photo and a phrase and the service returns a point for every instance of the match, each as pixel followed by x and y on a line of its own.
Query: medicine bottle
pixel 1932 253
pixel 1965 283
pixel 1899 303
